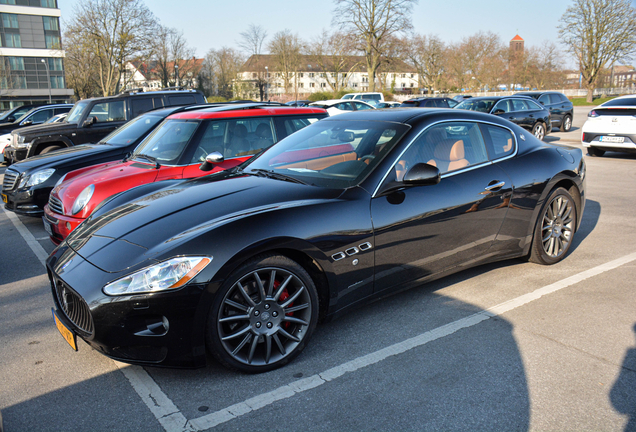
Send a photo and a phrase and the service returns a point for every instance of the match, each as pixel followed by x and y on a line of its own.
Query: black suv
pixel 430 102
pixel 90 120
pixel 561 108
pixel 27 184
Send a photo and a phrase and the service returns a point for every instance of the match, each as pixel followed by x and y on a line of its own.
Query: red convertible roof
pixel 246 112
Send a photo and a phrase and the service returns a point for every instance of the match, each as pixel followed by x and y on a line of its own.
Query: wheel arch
pixel 39 145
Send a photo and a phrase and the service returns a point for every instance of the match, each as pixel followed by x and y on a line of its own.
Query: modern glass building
pixel 31 54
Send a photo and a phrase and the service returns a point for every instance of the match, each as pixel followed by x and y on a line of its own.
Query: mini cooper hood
pixel 149 227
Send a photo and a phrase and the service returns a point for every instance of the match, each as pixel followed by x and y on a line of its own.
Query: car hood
pixel 47 129
pixel 146 228
pixel 65 156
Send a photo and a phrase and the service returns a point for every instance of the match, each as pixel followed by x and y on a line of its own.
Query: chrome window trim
pixel 460 171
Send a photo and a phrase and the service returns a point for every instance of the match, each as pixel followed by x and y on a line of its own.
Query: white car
pixel 5 139
pixel 611 126
pixel 339 106
pixel 377 96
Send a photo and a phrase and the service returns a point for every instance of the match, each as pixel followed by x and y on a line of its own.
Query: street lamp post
pixel 176 73
pixel 48 77
pixel 266 82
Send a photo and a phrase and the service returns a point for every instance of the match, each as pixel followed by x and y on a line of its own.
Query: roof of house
pixel 516 38
pixel 311 63
pixel 147 69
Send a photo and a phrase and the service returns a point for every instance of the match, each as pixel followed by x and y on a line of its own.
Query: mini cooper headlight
pixel 59 182
pixel 37 177
pixel 170 274
pixel 82 199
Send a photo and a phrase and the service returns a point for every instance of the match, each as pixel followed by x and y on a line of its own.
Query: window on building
pixel 412 76
pixel 355 85
pixel 12 40
pixel 412 85
pixel 53 42
pixel 323 85
pixel 312 85
pixel 55 64
pixel 19 82
pixel 403 75
pixel 301 85
pixel 16 63
pixel 322 75
pixel 253 74
pixel 301 75
pixel 10 21
pixel 311 74
pixel 57 82
pixel 48 4
pixel 50 23
pixel 9 2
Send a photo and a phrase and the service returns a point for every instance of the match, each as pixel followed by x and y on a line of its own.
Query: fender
pixel 41 142
pixel 130 194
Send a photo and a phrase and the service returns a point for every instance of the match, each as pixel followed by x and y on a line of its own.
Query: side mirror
pixel 210 160
pixel 27 123
pixel 542 103
pixel 10 119
pixel 498 111
pixel 422 174
pixel 89 121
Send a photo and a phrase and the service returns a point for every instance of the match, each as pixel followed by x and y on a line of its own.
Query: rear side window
pixel 555 99
pixel 141 105
pixel 410 104
pixel 499 141
pixel 545 99
pixel 42 116
pixel 181 100
pixel 291 125
pixel 108 111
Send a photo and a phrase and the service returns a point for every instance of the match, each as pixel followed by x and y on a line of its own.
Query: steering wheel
pixel 200 154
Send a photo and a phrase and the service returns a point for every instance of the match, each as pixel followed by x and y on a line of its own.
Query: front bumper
pixel 61 225
pixel 27 202
pixel 150 329
pixel 15 155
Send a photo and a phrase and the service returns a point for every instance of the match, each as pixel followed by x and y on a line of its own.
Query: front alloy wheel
pixel 567 124
pixel 538 131
pixel 555 228
pixel 264 315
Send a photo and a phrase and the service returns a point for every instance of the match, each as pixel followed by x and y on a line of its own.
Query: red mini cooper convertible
pixel 175 150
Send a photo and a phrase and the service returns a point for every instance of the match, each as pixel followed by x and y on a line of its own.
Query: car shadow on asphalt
pixel 622 394
pixel 591 216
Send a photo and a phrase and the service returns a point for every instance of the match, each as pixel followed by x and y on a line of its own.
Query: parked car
pixel 611 126
pixel 57 118
pixel 521 110
pixel 299 103
pixel 460 98
pixel 13 114
pixel 340 106
pixel 561 108
pixel 378 96
pixel 244 262
pixel 388 105
pixel 176 149
pixel 27 184
pixel 90 120
pixel 430 102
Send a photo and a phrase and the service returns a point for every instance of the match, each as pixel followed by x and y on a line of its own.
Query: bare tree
pixel 598 33
pixel 252 40
pixel 80 67
pixel 427 55
pixel 285 48
pixel 373 21
pixel 117 31
pixel 221 68
pixel 333 52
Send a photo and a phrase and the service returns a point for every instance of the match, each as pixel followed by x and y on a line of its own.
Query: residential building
pixel 150 75
pixel 31 54
pixel 263 73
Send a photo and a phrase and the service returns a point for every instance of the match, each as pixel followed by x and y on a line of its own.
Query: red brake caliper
pixel 284 296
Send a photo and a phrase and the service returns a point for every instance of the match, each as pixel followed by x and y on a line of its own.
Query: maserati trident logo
pixel 615 119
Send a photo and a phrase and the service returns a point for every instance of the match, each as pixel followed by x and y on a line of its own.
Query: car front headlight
pixel 166 275
pixel 19 142
pixel 37 177
pixel 82 199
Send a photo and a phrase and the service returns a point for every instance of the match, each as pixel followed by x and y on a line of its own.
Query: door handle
pixel 531 116
pixel 496 186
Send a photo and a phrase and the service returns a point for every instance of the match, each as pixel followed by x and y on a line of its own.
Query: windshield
pixel 481 105
pixel 167 143
pixel 620 102
pixel 132 131
pixel 76 112
pixel 348 96
pixel 331 154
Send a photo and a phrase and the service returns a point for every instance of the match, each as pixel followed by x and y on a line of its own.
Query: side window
pixel 108 111
pixel 555 99
pixel 291 125
pixel 451 103
pixel 174 100
pixel 534 105
pixel 361 106
pixel 448 146
pixel 545 99
pixel 158 102
pixel 61 110
pixel 519 105
pixel 140 105
pixel 41 116
pixel 500 141
pixel 503 105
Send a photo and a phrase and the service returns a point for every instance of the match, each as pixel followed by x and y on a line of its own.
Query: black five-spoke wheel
pixel 555 228
pixel 264 315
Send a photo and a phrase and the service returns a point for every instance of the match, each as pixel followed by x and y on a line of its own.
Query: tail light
pixel 593 114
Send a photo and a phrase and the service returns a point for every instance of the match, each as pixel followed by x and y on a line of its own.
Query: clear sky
pixel 210 24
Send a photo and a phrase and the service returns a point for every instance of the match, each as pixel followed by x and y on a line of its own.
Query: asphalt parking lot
pixel 507 346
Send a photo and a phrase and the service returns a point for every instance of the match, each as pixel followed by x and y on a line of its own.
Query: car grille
pixel 10 179
pixel 55 204
pixel 74 306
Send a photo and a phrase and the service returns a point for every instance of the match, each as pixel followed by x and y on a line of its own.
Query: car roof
pixel 143 93
pixel 245 110
pixel 519 96
pixel 426 98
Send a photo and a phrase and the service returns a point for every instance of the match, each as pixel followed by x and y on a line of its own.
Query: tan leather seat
pixel 449 156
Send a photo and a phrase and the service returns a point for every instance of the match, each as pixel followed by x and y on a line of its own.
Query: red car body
pixel 224 131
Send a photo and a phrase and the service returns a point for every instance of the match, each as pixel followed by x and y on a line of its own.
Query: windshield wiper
pixel 150 158
pixel 275 175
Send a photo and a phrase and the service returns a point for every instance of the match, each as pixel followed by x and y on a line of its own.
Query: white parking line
pixel 172 420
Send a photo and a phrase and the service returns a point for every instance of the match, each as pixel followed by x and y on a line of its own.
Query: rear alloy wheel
pixel 50 149
pixel 593 151
pixel 538 131
pixel 263 315
pixel 555 228
pixel 566 125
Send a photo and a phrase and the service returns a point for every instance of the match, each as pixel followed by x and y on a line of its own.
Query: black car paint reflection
pixel 372 235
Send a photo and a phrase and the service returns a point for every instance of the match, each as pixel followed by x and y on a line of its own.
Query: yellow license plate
pixel 4 198
pixel 67 334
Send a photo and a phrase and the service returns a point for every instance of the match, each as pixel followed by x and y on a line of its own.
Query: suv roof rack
pixel 131 91
pixel 173 88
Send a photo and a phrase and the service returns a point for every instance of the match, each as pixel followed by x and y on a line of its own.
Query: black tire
pixel 566 124
pixel 50 149
pixel 538 130
pixel 593 151
pixel 554 229
pixel 252 326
